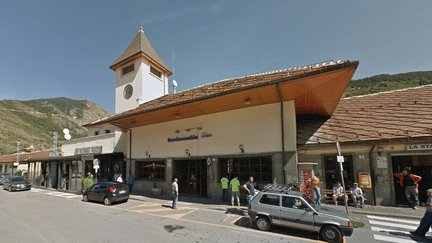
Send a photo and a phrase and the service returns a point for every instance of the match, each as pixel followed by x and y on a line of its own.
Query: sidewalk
pixel 216 204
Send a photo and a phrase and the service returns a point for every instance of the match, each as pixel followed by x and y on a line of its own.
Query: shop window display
pixel 150 169
pixel 258 167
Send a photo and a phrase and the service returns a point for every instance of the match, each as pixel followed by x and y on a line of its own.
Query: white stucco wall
pixel 146 86
pixel 257 128
pixel 111 142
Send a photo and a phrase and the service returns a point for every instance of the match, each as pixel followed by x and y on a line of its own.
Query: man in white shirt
pixel 357 194
pixel 175 193
pixel 338 193
pixel 119 178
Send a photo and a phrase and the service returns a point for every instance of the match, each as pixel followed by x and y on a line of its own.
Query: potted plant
pixel 87 182
pixel 156 190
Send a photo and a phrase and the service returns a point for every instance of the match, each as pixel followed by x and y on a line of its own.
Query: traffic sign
pixel 340 159
pixel 96 164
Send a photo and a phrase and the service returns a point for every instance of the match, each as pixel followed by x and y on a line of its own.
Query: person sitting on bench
pixel 338 193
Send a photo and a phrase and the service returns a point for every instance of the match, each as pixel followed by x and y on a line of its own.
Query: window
pixel 150 169
pixel 155 72
pixel 292 202
pixel 332 171
pixel 107 131
pixel 128 69
pixel 258 167
pixel 270 200
pixel 96 133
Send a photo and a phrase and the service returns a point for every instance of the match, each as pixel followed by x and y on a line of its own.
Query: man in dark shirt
pixel 409 181
pixel 249 187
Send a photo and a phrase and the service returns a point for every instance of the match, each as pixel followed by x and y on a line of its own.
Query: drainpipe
pixel 372 172
pixel 282 130
pixel 130 147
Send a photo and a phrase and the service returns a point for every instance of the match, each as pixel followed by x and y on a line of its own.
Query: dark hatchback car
pixel 107 192
pixel 16 183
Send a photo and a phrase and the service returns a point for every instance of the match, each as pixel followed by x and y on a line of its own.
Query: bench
pixel 328 193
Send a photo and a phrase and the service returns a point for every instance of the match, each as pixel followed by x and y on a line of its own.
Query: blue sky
pixel 54 49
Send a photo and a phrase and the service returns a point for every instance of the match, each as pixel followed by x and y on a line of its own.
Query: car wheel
pixel 331 234
pixel 107 201
pixel 263 223
pixel 85 198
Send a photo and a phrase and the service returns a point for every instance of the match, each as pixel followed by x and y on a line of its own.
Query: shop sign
pixel 191 137
pixel 89 150
pixel 414 147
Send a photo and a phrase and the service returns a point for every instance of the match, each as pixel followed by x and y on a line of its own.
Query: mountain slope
pixel 33 122
pixel 386 82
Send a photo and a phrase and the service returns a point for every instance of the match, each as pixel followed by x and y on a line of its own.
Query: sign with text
pixel 365 180
pixel 88 150
pixel 414 147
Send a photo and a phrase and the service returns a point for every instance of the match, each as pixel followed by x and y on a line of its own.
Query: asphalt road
pixel 47 216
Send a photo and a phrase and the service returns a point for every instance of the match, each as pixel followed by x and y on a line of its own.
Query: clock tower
pixel 141 75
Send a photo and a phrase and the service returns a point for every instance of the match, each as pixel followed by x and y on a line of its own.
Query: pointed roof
pixel 140 45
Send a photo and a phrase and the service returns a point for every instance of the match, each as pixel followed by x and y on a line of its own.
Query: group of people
pixel 250 187
pixel 130 180
pixel 355 192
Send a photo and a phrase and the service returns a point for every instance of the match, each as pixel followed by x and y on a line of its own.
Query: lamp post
pixel 17 158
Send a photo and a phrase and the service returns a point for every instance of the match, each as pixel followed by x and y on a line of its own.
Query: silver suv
pixel 279 205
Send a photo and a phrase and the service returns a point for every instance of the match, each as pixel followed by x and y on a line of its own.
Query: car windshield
pixel 18 178
pixel 307 199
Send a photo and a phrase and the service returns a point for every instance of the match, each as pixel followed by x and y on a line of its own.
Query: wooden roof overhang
pixel 316 92
pixel 143 55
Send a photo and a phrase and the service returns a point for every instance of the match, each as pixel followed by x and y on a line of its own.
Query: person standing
pixel 409 181
pixel 249 187
pixel 130 181
pixel 224 182
pixel 426 221
pixel 357 194
pixel 119 178
pixel 338 193
pixel 175 193
pixel 116 176
pixel 235 190
pixel 316 183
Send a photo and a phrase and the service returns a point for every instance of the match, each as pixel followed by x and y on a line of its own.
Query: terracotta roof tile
pixel 389 115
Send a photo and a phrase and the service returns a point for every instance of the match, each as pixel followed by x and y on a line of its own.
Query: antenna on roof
pixel 175 84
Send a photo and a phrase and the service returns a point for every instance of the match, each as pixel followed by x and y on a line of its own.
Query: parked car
pixel 107 192
pixel 16 183
pixel 279 205
pixel 3 177
pixel 22 173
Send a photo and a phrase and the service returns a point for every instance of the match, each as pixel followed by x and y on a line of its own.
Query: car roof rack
pixel 278 188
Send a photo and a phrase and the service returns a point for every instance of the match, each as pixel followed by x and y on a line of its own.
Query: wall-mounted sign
pixel 208 161
pixel 191 137
pixel 206 135
pixel 365 180
pixel 382 162
pixel 413 147
pixel 169 163
pixel 88 150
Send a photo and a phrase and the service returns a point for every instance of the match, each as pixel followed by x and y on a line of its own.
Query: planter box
pixel 157 191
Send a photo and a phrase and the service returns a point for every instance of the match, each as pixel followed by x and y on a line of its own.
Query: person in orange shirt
pixel 316 183
pixel 409 181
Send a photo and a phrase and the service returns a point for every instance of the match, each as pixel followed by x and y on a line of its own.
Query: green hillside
pixel 34 122
pixel 386 82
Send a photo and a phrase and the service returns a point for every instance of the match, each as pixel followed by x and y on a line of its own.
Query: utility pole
pixel 340 159
pixel 17 158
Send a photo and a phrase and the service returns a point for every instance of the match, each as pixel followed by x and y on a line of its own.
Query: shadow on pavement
pixel 247 223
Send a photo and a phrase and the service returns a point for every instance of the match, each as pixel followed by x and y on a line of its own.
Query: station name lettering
pixel 191 137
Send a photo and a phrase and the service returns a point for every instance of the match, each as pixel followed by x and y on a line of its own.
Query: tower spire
pixel 141 28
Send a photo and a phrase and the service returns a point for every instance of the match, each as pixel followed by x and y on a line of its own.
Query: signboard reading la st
pixel 411 147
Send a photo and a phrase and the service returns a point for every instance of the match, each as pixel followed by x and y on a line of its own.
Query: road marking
pixel 229 216
pixel 392 239
pixel 217 225
pixel 145 205
pixel 239 220
pixel 158 209
pixel 388 230
pixel 394 220
pixel 392 225
pixel 179 215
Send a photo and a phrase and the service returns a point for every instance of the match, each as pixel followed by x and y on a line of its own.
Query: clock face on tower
pixel 128 91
